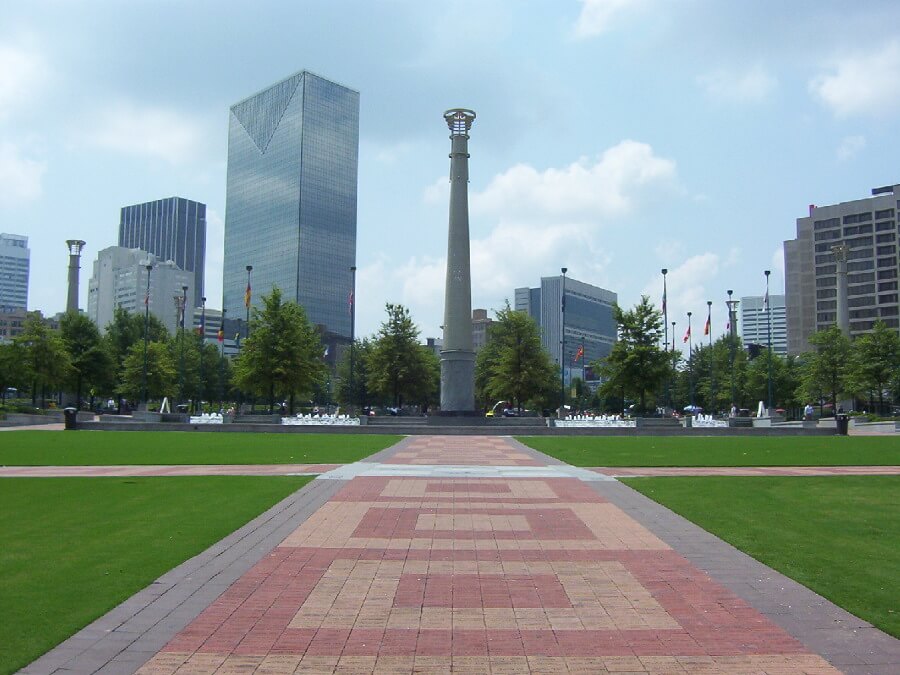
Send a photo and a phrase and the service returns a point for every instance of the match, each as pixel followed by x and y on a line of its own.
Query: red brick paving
pixel 481 575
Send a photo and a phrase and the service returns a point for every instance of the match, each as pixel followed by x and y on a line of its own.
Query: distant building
pixel 755 322
pixel 434 345
pixel 590 322
pixel 869 228
pixel 212 323
pixel 291 199
pixel 171 229
pixel 14 268
pixel 481 324
pixel 120 280
pixel 12 323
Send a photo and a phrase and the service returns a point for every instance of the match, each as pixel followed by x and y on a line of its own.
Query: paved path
pixel 475 555
pixel 167 470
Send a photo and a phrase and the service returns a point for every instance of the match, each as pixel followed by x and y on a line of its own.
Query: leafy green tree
pixel 399 368
pixel 12 368
pixel 824 370
pixel 636 366
pixel 513 365
pixel 875 360
pixel 44 357
pixel 161 372
pixel 91 362
pixel 359 394
pixel 124 331
pixel 283 355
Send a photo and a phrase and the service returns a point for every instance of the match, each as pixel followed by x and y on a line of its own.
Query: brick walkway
pixel 476 555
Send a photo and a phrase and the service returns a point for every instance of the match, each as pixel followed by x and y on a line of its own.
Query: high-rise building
pixel 481 324
pixel 14 262
pixel 171 229
pixel 590 322
pixel 291 199
pixel 755 322
pixel 120 280
pixel 869 229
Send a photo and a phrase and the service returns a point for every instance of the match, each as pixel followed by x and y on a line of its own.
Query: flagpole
pixel 352 329
pixel 769 322
pixel 146 336
pixel 248 297
pixel 665 309
pixel 562 349
pixel 712 376
pixel 732 330
pixel 200 367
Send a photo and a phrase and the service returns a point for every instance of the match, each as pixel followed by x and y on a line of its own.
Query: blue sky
pixel 614 137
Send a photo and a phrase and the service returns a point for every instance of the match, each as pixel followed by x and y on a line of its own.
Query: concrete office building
pixel 12 323
pixel 14 268
pixel 171 229
pixel 481 324
pixel 589 319
pixel 755 322
pixel 291 199
pixel 120 280
pixel 868 228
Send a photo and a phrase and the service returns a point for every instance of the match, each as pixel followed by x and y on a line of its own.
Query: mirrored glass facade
pixel 291 198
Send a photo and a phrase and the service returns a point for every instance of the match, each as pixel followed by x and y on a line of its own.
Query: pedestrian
pixel 808 412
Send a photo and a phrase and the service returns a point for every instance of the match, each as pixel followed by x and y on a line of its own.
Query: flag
pixel 237 340
pixel 326 352
pixel 579 354
pixel 350 303
pixel 707 327
pixel 221 334
pixel 766 300
pixel 247 296
pixel 687 335
pixel 664 303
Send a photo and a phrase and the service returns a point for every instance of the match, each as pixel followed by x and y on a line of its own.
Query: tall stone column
pixel 75 246
pixel 458 354
pixel 843 311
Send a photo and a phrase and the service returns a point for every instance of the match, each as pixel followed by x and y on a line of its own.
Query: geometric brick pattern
pixel 499 575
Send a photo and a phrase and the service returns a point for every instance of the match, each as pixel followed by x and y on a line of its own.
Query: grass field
pixel 73 548
pixel 61 448
pixel 836 535
pixel 719 451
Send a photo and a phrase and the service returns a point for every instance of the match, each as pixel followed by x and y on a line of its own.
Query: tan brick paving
pixel 477 575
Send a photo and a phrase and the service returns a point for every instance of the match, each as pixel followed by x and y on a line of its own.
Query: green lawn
pixel 68 448
pixel 719 451
pixel 73 548
pixel 836 535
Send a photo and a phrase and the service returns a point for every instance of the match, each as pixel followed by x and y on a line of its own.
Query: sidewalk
pixel 478 555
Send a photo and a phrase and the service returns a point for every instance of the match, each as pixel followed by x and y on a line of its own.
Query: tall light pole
pixel 769 323
pixel 148 266
pixel 222 360
pixel 248 296
pixel 712 374
pixel 691 359
pixel 732 329
pixel 183 307
pixel 352 329
pixel 665 310
pixel 562 352
pixel 202 344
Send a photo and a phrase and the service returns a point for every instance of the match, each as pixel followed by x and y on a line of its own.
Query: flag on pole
pixel 579 354
pixel 707 326
pixel 220 336
pixel 350 303
pixel 766 300
pixel 664 303
pixel 687 335
pixel 248 295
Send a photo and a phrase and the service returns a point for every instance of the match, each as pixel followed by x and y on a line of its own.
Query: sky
pixel 613 137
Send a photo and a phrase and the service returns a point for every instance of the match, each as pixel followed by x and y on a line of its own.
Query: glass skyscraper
pixel 171 229
pixel 291 198
pixel 14 267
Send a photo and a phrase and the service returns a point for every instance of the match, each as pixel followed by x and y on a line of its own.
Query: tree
pixel 44 357
pixel 161 372
pixel 636 365
pixel 126 330
pixel 12 368
pixel 359 395
pixel 91 362
pixel 874 362
pixel 513 365
pixel 400 369
pixel 283 355
pixel 824 369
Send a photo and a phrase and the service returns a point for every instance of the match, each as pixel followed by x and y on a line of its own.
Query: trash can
pixel 71 416
pixel 843 423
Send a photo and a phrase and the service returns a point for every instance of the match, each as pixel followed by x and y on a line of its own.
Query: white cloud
pixel 20 177
pixel 583 192
pixel 597 16
pixel 850 147
pixel 862 83
pixel 750 86
pixel 22 73
pixel 158 133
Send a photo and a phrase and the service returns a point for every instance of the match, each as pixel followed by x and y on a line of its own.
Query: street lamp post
pixel 222 361
pixel 731 341
pixel 183 307
pixel 769 350
pixel 562 353
pixel 149 267
pixel 202 341
pixel 673 362
pixel 665 309
pixel 352 330
pixel 691 359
